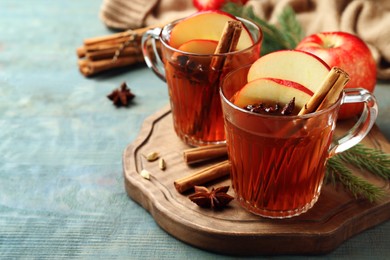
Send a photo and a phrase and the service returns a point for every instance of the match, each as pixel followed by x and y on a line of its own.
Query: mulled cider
pixel 278 157
pixel 278 172
pixel 194 66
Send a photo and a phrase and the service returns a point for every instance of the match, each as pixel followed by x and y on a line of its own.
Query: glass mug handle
pixel 363 125
pixel 156 65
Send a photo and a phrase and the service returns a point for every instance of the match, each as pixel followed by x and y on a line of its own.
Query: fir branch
pixel 375 161
pixel 359 187
pixel 286 35
pixel 293 32
pixel 233 9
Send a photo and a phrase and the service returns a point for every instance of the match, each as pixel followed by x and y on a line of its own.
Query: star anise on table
pixel 216 198
pixel 121 96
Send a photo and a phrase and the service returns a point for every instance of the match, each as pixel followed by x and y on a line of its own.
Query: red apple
pixel 348 52
pixel 203 5
pixel 298 66
pixel 207 25
pixel 272 91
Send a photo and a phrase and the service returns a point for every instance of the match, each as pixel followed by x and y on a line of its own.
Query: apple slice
pixel 272 91
pixel 199 46
pixel 298 66
pixel 206 25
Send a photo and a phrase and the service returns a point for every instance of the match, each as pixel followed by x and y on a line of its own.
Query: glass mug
pixel 192 85
pixel 279 162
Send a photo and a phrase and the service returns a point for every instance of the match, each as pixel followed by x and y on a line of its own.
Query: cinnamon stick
pixel 121 35
pixel 88 68
pixel 81 51
pixel 227 42
pixel 203 176
pixel 326 95
pixel 328 92
pixel 100 47
pixel 204 153
pixel 334 92
pixel 109 45
pixel 110 53
pixel 116 37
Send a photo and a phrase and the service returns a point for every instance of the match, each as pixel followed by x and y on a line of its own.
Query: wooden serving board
pixel 336 216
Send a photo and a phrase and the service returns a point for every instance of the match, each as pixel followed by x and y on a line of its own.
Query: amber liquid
pixel 196 106
pixel 276 176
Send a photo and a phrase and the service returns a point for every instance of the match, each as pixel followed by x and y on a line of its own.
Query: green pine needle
pixel 360 188
pixel 285 35
pixel 293 32
pixel 372 160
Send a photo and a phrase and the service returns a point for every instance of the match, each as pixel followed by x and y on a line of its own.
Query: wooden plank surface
pixel 334 218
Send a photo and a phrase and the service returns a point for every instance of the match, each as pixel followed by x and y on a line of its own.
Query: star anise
pixel 187 67
pixel 121 96
pixel 289 107
pixel 216 198
pixel 276 109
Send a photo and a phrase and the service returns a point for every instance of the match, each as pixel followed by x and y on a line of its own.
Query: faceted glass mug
pixel 279 162
pixel 193 85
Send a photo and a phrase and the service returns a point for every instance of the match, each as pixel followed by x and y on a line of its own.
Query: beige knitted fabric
pixel 130 14
pixel 369 19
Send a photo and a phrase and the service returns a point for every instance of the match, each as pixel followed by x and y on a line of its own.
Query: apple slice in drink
pixel 206 25
pixel 272 91
pixel 298 66
pixel 199 46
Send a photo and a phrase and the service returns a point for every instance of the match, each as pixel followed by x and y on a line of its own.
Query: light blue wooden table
pixel 61 142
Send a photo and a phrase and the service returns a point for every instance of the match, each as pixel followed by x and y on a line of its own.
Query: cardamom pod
pixel 161 164
pixel 152 156
pixel 145 174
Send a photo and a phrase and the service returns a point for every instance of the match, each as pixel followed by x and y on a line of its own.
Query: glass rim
pixel 166 44
pixel 278 117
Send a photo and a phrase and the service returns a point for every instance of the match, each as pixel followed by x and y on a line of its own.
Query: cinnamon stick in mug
pixel 328 92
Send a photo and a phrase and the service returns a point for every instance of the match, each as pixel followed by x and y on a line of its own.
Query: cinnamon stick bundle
pixel 108 52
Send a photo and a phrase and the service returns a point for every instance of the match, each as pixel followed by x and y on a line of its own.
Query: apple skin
pixel 203 5
pixel 272 91
pixel 294 65
pixel 348 52
pixel 206 25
